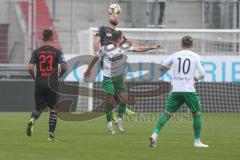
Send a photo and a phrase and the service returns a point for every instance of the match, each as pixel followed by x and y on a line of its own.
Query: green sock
pixel 121 110
pixel 161 121
pixel 197 123
pixel 109 113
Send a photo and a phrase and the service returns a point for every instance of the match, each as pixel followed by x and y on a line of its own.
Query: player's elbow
pixel 137 49
pixel 200 76
pixel 97 57
pixel 97 40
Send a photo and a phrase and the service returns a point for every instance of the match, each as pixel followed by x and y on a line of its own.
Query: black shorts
pixel 45 97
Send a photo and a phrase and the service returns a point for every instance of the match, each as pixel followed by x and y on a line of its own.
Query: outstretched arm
pixel 138 48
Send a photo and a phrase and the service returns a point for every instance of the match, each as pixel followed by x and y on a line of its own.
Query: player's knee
pixel 52 110
pixel 123 101
pixel 110 101
pixel 39 110
pixel 170 114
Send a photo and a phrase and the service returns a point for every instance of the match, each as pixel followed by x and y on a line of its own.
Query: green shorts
pixel 112 85
pixel 176 99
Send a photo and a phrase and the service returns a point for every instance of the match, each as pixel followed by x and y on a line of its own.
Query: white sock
pixel 197 141
pixel 154 135
pixel 119 119
pixel 32 119
pixel 109 123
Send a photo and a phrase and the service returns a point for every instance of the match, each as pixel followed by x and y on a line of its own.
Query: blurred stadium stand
pixel 71 20
pixel 22 22
pixel 43 20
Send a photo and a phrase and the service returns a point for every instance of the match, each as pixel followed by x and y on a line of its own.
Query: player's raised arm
pixel 138 48
pixel 129 43
pixel 201 71
pixel 95 58
pixel 97 43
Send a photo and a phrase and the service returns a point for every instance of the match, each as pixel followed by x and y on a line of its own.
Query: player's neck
pixel 111 26
pixel 117 45
pixel 185 48
pixel 48 43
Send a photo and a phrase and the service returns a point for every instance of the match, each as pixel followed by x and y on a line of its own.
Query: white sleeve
pixel 127 47
pixel 168 61
pixel 131 49
pixel 200 69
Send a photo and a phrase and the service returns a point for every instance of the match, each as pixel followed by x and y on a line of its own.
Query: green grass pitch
pixel 90 141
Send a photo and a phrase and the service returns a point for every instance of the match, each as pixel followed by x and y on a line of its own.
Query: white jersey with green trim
pixel 114 59
pixel 185 63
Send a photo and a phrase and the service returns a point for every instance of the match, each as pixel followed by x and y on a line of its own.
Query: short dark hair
pixel 47 34
pixel 116 35
pixel 187 41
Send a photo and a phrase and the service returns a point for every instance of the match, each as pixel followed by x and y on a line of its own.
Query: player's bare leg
pixel 197 125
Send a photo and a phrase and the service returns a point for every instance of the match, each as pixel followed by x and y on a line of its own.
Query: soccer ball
pixel 114 9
